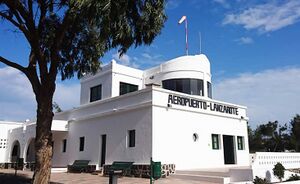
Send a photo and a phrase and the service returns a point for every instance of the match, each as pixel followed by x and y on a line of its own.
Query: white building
pixel 125 114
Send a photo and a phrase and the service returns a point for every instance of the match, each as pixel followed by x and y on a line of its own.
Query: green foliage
pixel 294 177
pixel 75 34
pixel 100 25
pixel 278 171
pixel 270 137
pixel 259 180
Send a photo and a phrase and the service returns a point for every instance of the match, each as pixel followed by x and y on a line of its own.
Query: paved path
pixel 84 178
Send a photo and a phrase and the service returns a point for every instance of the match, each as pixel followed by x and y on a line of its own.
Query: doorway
pixel 103 150
pixel 15 153
pixel 229 151
pixel 30 153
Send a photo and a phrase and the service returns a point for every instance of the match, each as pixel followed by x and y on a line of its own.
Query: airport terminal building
pixel 166 112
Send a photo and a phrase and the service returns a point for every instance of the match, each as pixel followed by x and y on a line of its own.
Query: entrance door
pixel 229 153
pixel 103 150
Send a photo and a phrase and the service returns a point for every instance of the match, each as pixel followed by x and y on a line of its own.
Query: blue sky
pixel 253 47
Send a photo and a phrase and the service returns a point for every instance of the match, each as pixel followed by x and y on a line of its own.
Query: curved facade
pixel 187 74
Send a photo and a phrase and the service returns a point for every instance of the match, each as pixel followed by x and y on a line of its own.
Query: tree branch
pixel 59 36
pixel 29 4
pixel 12 64
pixel 32 73
pixel 43 11
pixel 17 24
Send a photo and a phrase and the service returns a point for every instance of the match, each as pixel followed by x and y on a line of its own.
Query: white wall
pixel 173 129
pixel 59 159
pixel 115 126
pixel 26 133
pixel 22 134
pixel 104 78
pixel 110 77
pixel 5 126
pixel 264 162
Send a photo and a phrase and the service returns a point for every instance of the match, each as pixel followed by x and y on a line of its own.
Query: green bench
pixel 81 166
pixel 121 168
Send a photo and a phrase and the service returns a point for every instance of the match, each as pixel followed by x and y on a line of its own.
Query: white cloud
pixel 244 40
pixel 267 17
pixel 269 95
pixel 146 55
pixel 125 60
pixel 17 100
pixel 172 4
pixel 224 3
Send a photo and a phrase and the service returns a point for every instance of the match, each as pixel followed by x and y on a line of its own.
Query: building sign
pixel 199 104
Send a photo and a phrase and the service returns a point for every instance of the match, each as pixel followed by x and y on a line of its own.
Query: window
pixel 209 90
pixel 131 138
pixel 215 141
pixel 240 141
pixel 64 148
pixel 96 93
pixel 195 137
pixel 81 143
pixel 127 88
pixel 188 86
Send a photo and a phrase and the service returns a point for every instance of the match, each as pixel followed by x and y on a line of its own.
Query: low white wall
pixel 263 164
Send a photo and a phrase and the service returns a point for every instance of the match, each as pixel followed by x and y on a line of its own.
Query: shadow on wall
pixel 268 176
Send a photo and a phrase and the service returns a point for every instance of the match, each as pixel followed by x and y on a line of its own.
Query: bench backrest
pixel 121 165
pixel 81 163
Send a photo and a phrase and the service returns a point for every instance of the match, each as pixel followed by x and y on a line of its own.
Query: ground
pixel 7 177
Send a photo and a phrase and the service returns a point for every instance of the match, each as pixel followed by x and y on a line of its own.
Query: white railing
pixel 268 159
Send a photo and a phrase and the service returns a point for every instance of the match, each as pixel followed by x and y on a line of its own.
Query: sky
pixel 253 47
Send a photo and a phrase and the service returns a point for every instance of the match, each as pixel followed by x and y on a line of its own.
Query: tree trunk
pixel 43 140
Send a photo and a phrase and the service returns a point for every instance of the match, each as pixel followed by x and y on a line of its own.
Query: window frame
pixel 240 143
pixel 131 138
pixel 209 89
pixel 64 145
pixel 191 86
pixel 215 142
pixel 129 88
pixel 81 143
pixel 96 98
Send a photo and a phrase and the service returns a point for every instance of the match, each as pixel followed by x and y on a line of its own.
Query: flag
pixel 183 18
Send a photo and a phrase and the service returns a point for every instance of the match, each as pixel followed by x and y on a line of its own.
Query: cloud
pixel 125 60
pixel 244 40
pixel 172 4
pixel 146 55
pixel 267 17
pixel 224 3
pixel 17 100
pixel 269 95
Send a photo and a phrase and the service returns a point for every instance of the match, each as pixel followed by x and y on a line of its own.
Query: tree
pixel 295 132
pixel 68 37
pixel 278 171
pixel 269 137
pixel 258 180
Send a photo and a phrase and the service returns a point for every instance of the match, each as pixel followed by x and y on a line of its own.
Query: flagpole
pixel 186 37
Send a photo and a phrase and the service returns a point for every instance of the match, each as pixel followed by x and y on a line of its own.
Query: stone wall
pixel 143 171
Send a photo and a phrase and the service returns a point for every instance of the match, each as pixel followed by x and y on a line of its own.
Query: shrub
pixel 294 177
pixel 259 180
pixel 278 171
